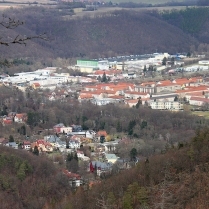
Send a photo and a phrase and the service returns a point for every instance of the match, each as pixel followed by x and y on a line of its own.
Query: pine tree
pixel 11 138
pixel 36 151
pixel 104 78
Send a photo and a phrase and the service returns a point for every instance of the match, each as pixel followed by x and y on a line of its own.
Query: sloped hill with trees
pixel 29 181
pixel 176 179
pixel 110 34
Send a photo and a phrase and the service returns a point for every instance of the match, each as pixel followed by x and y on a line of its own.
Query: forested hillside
pixel 105 35
pixel 29 181
pixel 177 179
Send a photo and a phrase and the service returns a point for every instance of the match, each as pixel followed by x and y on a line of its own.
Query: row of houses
pixel 13 117
pixel 157 95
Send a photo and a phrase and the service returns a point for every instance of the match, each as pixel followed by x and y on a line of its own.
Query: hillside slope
pixel 29 181
pixel 177 179
pixel 119 32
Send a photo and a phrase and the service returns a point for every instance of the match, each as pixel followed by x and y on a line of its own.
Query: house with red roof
pixel 136 95
pixel 3 141
pixel 75 179
pixel 61 128
pixel 20 118
pixel 42 145
pixel 131 102
pixel 36 85
pixel 26 145
pixel 198 101
pixel 7 121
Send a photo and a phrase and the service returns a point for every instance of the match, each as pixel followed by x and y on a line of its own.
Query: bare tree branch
pixel 22 39
pixel 11 23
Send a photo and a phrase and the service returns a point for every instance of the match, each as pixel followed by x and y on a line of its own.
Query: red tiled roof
pixel 71 175
pixel 20 115
pixel 7 122
pixel 136 92
pixel 86 96
pixel 199 99
pixel 102 133
pixel 132 101
pixel 36 84
pixel 193 89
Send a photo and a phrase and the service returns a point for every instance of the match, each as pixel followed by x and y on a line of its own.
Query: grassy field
pixel 147 1
pixel 204 114
pixel 103 10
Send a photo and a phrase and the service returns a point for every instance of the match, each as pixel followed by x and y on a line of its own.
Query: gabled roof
pixel 193 89
pixel 135 93
pixel 111 156
pixel 102 133
pixel 21 115
pixel 71 175
pixel 36 84
pixel 26 143
pixel 3 140
pixel 131 101
pixel 199 99
pixel 85 96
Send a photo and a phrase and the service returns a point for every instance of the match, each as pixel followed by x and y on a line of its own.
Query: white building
pixel 168 105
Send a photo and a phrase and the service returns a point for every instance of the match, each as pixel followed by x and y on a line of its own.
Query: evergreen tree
pixel 11 138
pixel 164 61
pixel 139 103
pixel 133 154
pixel 75 157
pixel 145 69
pixel 104 78
pixel 36 151
pixel 127 201
pixel 69 157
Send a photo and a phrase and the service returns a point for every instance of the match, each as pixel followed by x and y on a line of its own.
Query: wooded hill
pixel 29 181
pixel 175 179
pixel 108 34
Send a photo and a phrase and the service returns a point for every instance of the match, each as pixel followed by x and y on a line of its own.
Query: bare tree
pixel 12 23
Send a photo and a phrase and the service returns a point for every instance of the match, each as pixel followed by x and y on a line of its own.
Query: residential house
pixel 35 85
pixel 100 167
pixel 75 179
pixel 26 145
pixel 198 101
pixel 191 89
pixel 136 95
pixel 131 102
pixel 43 145
pixel 110 158
pixel 7 121
pixel 61 128
pixel 13 145
pixel 3 141
pixel 203 94
pixel 148 87
pixel 167 86
pixel 20 118
pixel 100 136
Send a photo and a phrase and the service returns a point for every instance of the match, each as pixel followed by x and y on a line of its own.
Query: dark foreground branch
pixel 22 39
pixel 10 23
